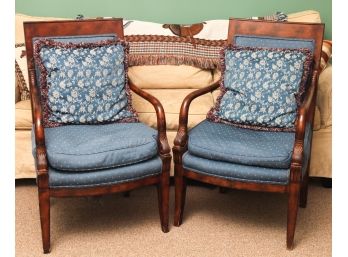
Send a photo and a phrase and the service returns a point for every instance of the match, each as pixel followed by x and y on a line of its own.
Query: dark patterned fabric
pixel 21 71
pixel 171 50
pixel 92 147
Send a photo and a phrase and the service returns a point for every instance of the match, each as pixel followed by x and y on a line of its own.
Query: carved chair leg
pixel 126 194
pixel 44 205
pixel 293 203
pixel 304 189
pixel 180 194
pixel 223 190
pixel 163 196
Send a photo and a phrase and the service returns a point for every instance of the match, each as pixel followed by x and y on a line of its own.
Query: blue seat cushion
pixel 94 147
pixel 222 142
pixel 62 179
pixel 236 172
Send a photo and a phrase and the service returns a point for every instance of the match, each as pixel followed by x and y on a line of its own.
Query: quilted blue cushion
pixel 261 87
pixel 92 147
pixel 61 179
pixel 237 172
pixel 244 155
pixel 221 142
pixel 83 83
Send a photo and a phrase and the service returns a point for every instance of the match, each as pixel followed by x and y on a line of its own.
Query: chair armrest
pixel 181 137
pixel 164 148
pixel 304 116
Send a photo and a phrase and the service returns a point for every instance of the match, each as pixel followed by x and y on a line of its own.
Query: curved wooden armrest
pixel 302 120
pixel 164 148
pixel 41 155
pixel 39 132
pixel 181 136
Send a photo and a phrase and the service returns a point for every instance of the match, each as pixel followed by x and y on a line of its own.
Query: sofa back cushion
pixel 83 81
pixel 171 76
pixel 261 88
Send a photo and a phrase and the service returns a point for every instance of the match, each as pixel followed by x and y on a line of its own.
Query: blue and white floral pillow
pixel 83 83
pixel 261 88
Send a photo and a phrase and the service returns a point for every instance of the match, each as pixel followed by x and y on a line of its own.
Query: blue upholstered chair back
pixel 273 42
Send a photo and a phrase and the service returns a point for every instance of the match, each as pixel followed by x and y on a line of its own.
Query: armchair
pixel 241 145
pixel 87 139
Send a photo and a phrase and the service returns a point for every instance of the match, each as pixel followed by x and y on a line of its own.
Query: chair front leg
pixel 293 203
pixel 304 188
pixel 44 205
pixel 180 188
pixel 163 194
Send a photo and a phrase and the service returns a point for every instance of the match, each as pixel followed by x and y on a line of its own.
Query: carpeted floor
pixel 238 223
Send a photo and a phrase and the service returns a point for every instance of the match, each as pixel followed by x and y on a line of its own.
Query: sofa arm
pixel 17 93
pixel 324 97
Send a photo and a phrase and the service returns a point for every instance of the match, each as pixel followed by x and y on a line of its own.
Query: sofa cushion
pixel 261 87
pixel 321 153
pixel 83 83
pixel 62 179
pixel 93 147
pixel 24 161
pixel 221 142
pixel 23 115
pixel 170 76
pixel 171 100
pixel 310 16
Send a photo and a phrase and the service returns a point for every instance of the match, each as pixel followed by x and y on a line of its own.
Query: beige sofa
pixel 170 84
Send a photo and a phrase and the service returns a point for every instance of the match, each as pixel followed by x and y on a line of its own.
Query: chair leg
pixel 223 190
pixel 304 191
pixel 180 195
pixel 126 194
pixel 293 203
pixel 163 201
pixel 44 205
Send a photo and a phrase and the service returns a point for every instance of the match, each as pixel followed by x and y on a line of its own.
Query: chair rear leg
pixel 180 194
pixel 293 203
pixel 163 197
pixel 44 205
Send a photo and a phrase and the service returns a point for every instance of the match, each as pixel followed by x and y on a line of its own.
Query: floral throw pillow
pixel 83 83
pixel 261 88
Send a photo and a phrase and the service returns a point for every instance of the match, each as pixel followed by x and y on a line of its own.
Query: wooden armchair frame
pixel 298 184
pixel 74 28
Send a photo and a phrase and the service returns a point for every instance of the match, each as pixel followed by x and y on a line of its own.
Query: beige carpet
pixel 238 223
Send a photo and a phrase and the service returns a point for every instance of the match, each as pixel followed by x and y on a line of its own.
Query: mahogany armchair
pixel 241 145
pixel 87 139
